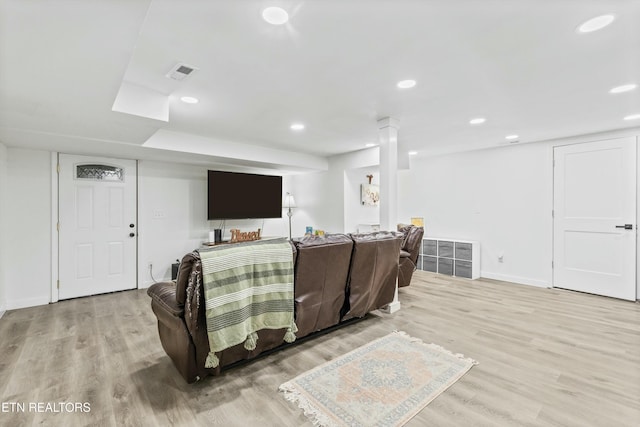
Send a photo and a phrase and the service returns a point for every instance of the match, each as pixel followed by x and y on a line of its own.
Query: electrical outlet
pixel 501 258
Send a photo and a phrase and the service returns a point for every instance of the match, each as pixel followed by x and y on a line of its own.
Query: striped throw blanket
pixel 247 287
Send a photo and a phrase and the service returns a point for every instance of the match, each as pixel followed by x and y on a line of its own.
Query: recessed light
pixel 275 15
pixel 406 84
pixel 189 100
pixel 595 24
pixel 370 144
pixel 511 137
pixel 477 121
pixel 297 126
pixel 413 153
pixel 624 88
pixel 633 117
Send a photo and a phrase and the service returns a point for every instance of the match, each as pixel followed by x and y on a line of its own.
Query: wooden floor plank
pixel 547 357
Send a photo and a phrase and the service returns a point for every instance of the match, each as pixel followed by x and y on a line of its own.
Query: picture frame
pixel 369 194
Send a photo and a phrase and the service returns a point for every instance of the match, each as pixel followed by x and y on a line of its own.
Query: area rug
pixel 383 383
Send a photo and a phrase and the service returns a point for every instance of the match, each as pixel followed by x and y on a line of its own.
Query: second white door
pixel 595 218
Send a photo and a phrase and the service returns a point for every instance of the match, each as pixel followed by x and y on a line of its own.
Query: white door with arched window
pixel 97 222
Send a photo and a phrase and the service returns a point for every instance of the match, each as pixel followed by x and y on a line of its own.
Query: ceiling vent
pixel 180 71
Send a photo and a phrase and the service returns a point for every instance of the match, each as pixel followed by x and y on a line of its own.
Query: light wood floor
pixel 547 358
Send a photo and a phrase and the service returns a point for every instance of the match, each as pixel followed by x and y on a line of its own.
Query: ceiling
pixel 334 67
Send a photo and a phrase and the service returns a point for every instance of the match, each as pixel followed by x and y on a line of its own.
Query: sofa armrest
pixel 164 295
pixel 174 336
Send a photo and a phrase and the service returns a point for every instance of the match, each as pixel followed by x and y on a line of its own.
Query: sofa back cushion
pixel 321 271
pixel 373 272
pixel 404 229
pixel 412 240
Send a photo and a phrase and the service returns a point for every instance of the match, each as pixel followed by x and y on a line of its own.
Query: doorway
pixel 594 218
pixel 97 225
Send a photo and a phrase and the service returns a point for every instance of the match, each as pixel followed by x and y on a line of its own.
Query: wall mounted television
pixel 233 195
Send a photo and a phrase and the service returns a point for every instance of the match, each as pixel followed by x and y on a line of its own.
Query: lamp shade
pixel 289 201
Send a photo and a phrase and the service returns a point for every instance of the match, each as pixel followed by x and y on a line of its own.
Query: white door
pixel 97 216
pixel 594 223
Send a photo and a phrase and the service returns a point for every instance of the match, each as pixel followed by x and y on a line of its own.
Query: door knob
pixel 626 226
pixel 132 234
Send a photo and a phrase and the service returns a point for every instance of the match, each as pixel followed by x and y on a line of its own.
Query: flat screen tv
pixel 234 195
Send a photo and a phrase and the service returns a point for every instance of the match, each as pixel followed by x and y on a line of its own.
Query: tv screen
pixel 235 195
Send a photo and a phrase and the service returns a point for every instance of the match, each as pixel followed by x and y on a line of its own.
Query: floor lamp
pixel 289 203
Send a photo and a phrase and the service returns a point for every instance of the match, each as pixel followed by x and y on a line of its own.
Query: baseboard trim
pixel 516 279
pixel 27 302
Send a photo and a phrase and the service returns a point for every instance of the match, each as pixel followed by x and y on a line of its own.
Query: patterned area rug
pixel 383 383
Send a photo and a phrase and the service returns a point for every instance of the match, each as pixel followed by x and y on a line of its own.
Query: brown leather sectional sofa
pixel 336 278
pixel 409 252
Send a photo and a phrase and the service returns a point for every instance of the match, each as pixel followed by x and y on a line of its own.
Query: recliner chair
pixel 409 252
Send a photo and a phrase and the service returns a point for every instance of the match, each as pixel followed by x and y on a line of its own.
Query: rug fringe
pixel 436 346
pixel 314 414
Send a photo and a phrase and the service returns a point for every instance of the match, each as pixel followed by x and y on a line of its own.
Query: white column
pixel 388 136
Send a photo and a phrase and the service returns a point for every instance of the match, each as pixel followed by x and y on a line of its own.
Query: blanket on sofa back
pixel 247 287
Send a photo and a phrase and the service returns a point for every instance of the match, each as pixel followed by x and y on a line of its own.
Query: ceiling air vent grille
pixel 180 72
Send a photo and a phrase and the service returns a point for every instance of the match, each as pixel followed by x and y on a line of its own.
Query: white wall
pixel 316 207
pixel 27 230
pixel 172 220
pixel 172 217
pixel 320 196
pixel 3 186
pixel 501 197
pixel 356 213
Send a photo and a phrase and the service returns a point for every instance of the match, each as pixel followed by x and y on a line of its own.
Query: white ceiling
pixel 334 66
